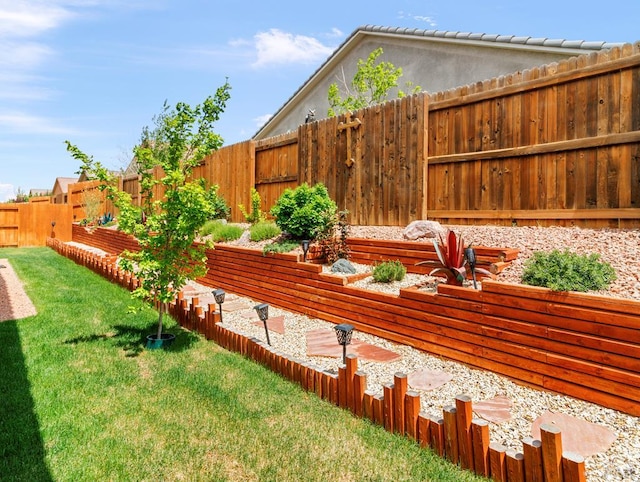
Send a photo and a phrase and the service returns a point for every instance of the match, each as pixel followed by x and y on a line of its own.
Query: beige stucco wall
pixel 432 63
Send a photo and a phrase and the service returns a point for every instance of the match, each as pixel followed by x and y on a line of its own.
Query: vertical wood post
pixel 464 412
pixel 551 452
pixel 573 467
pixel 497 459
pixel 515 466
pixel 388 411
pixel 481 442
pixel 411 412
pixel 451 450
pixel 400 385
pixel 359 387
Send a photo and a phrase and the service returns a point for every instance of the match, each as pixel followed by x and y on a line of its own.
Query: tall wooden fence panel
pixel 276 167
pixel 559 144
pixel 30 224
pixel 232 169
pixel 373 161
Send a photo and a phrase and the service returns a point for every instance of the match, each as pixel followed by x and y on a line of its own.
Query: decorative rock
pixel 343 266
pixel 422 229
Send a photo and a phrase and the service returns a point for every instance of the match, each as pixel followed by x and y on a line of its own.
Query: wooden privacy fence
pixel 553 145
pixel 30 224
pixel 455 434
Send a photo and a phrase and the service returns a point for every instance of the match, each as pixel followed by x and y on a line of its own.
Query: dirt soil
pixel 14 302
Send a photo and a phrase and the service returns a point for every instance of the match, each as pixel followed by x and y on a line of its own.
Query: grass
pixel 83 400
pixel 219 231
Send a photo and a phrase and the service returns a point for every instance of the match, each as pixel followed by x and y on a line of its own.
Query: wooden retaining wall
pixel 580 345
pixel 455 434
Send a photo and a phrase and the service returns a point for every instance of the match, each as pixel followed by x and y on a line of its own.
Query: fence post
pixel 400 385
pixel 463 422
pixel 481 442
pixel 551 452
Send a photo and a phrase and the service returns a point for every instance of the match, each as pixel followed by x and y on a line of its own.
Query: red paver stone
pixel 273 324
pixel 323 342
pixel 428 379
pixel 496 409
pixel 578 436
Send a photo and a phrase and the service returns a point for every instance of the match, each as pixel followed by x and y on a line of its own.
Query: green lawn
pixel 83 400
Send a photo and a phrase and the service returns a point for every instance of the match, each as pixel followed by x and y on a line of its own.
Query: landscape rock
pixel 343 266
pixel 422 229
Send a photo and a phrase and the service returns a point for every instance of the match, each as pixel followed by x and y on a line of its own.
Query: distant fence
pixel 553 145
pixel 30 224
pixel 455 434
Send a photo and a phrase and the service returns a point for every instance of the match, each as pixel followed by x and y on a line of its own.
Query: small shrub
pixel 283 246
pixel 256 215
pixel 334 243
pixel 264 230
pixel 305 212
pixel 219 231
pixel 220 207
pixel 567 271
pixel 389 271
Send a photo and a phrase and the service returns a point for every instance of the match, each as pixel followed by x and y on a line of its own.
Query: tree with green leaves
pixel 174 206
pixel 370 85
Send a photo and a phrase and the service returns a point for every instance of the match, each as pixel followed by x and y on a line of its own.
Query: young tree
pixel 370 85
pixel 174 207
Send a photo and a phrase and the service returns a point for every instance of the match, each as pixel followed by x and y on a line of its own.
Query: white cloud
pixel 6 192
pixel 262 120
pixel 30 18
pixel 430 21
pixel 276 47
pixel 18 122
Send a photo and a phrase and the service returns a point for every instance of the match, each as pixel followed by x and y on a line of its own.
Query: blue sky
pixel 95 72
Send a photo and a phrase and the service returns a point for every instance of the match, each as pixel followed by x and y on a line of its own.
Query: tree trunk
pixel 161 312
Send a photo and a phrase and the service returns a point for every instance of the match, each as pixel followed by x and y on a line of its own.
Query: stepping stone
pixel 323 342
pixel 273 324
pixel 235 305
pixel 578 436
pixel 428 379
pixel 496 409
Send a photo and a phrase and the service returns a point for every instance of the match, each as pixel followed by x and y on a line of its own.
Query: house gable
pixel 435 60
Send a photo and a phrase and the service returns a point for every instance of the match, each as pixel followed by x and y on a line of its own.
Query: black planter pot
pixel 155 343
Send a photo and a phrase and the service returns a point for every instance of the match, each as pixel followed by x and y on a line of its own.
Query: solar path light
pixel 343 333
pixel 305 249
pixel 470 254
pixel 218 295
pixel 263 313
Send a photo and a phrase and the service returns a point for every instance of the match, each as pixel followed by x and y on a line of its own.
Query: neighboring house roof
pixel 445 59
pixel 62 184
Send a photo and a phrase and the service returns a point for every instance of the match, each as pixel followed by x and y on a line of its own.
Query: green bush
pixel 264 230
pixel 280 246
pixel 567 271
pixel 389 271
pixel 305 212
pixel 220 207
pixel 219 231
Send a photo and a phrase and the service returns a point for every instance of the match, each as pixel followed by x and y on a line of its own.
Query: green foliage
pixel 567 271
pixel 370 85
pixel 305 212
pixel 334 242
pixel 389 271
pixel 264 230
pixel 256 214
pixel 166 226
pixel 122 411
pixel 218 231
pixel 219 206
pixel 282 246
pixel 451 262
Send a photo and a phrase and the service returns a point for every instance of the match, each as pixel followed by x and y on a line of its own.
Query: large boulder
pixel 343 266
pixel 422 229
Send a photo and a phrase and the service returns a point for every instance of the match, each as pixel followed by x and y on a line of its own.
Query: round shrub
pixel 567 271
pixel 305 212
pixel 389 271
